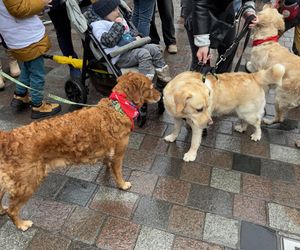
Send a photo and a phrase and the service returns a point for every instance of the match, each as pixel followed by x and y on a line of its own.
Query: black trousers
pixel 166 13
pixel 61 22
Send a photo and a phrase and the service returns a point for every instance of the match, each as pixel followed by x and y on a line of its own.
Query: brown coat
pixel 22 9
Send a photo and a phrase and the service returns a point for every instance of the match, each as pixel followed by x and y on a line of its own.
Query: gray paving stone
pixel 167 166
pixel 152 212
pixel 12 238
pixel 77 245
pixel 276 170
pixel 85 172
pixel 51 185
pixel 284 218
pixel 246 164
pixel 286 154
pixel 83 225
pixel 44 240
pixel 210 200
pixel 221 230
pixel 114 201
pixel 76 191
pixel 135 140
pixel 226 180
pixel 153 239
pixel 228 142
pixel 7 126
pixel 257 237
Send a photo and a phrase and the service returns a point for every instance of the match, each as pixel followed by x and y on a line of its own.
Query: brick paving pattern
pixel 235 190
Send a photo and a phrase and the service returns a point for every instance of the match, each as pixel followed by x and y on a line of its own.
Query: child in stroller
pixel 112 30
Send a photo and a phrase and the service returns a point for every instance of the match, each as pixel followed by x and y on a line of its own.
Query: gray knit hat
pixel 104 7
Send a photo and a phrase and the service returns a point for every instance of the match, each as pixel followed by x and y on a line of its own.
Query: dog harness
pixel 122 105
pixel 268 39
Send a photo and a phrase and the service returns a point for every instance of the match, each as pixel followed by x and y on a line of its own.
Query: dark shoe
pixel 20 103
pixel 44 110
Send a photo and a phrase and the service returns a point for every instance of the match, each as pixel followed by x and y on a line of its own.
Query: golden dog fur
pixel 186 96
pixel 83 136
pixel 269 53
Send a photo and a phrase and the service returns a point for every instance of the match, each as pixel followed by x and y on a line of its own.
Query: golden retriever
pixel 83 136
pixel 186 96
pixel 268 53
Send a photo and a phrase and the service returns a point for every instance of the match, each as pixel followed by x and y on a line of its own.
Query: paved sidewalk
pixel 238 194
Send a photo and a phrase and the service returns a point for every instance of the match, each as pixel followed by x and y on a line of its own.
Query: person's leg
pixel 137 57
pixel 153 30
pixel 145 13
pixel 37 81
pixel 166 12
pixel 135 12
pixel 21 99
pixel 61 22
pixel 157 57
pixel 194 49
pixel 13 65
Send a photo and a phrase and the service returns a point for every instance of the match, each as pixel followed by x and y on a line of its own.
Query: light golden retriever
pixel 186 96
pixel 269 53
pixel 83 136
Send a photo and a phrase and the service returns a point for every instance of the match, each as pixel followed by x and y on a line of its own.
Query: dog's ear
pixel 267 5
pixel 180 99
pixel 279 23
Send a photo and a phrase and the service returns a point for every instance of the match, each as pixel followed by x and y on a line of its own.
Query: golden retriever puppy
pixel 186 96
pixel 267 51
pixel 83 136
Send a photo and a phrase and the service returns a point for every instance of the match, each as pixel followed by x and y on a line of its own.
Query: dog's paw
pixel 269 121
pixel 126 185
pixel 255 137
pixel 24 224
pixel 190 156
pixel 297 144
pixel 239 128
pixel 170 138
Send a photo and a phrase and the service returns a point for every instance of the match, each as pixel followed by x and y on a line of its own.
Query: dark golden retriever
pixel 83 136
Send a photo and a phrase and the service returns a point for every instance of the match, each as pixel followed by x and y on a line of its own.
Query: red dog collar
pixel 260 41
pixel 130 109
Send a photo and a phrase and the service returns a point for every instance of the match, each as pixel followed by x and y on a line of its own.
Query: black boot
pixel 141 120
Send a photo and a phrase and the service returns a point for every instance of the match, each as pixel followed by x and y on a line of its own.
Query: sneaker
pixel 44 110
pixel 163 73
pixel 14 68
pixel 19 103
pixel 1 83
pixel 172 49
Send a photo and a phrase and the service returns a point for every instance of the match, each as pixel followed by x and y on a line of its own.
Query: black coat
pixel 199 14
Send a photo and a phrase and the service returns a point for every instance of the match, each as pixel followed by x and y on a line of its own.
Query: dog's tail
pixel 272 75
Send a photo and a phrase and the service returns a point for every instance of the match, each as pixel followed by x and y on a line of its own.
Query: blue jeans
pixel 142 15
pixel 33 75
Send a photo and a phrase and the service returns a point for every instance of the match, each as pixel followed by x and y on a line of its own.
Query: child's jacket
pixel 22 30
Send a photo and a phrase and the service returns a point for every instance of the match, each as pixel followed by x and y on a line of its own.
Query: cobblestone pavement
pixel 238 194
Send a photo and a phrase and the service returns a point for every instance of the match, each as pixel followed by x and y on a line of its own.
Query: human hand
pixel 203 54
pixel 138 38
pixel 119 20
pixel 47 3
pixel 254 22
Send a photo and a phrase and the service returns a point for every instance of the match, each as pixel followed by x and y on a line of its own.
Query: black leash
pixel 245 31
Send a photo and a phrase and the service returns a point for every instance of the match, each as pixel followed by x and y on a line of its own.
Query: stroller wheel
pixel 141 120
pixel 76 91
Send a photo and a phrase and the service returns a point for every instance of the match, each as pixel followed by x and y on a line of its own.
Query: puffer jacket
pixel 24 11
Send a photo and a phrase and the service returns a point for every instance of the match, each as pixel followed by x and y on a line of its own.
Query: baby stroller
pixel 96 64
